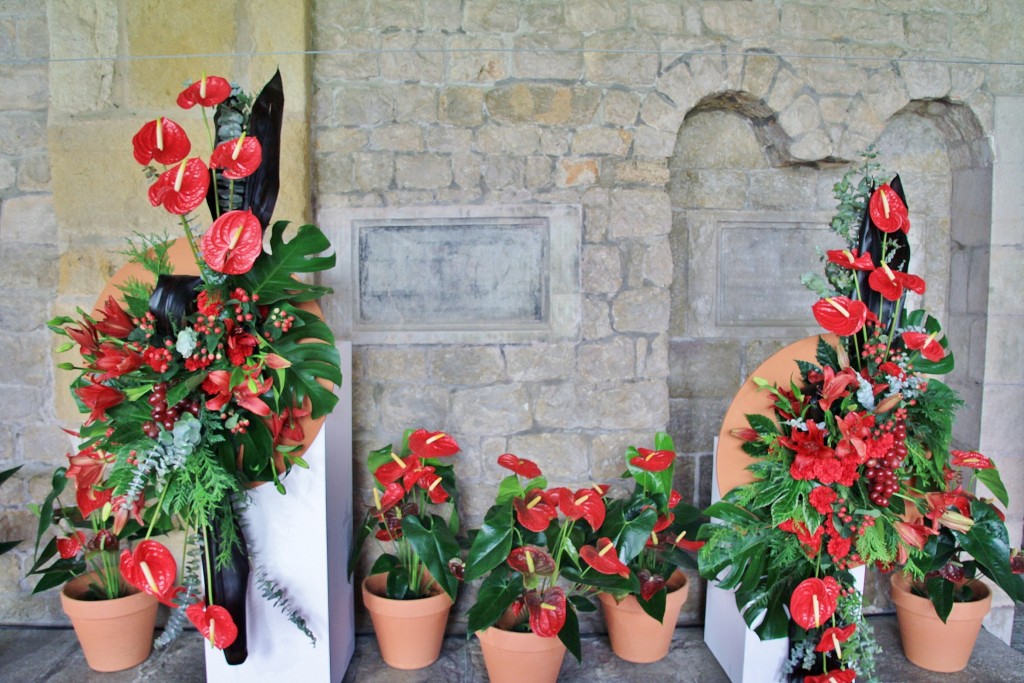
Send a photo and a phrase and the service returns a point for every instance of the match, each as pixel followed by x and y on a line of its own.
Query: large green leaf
pixel 989 545
pixel 362 533
pixel 940 592
pixel 991 479
pixel 271 275
pixel 655 607
pixel 435 545
pixel 492 544
pixel 58 482
pixel 570 633
pixel 310 361
pixel 497 592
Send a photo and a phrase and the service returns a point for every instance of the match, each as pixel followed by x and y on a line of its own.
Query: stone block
pixel 412 57
pixel 596 318
pixel 461 106
pixel 800 116
pixel 373 170
pixel 554 141
pixel 633 406
pixel 445 15
pixel 652 143
pixel 540 362
pixel 782 190
pixel 28 358
pixel 562 457
pixel 8 174
pixel 655 262
pixel 24 87
pixel 744 151
pixel 708 189
pixel 348 56
pixel 519 139
pixel 423 171
pixel 605 141
pixel 335 172
pixel 652 357
pixel 476 59
pixel 1006 274
pixel 395 14
pixel 704 368
pixel 448 140
pixel 543 104
pixel 636 172
pixel 659 16
pixel 596 214
pixel 490 16
pixel 543 15
pixel 466 365
pixel 496 409
pixel 32 402
pixel 587 16
pixel 620 108
pixel 617 58
pixel 43 443
pixel 741 22
pixel 363 106
pixel 554 56
pixel 22 132
pixel 607 360
pixel 538 172
pixel 28 219
pixel 467 170
pixel 601 269
pixel 397 137
pixel 85 269
pixel 341 140
pixel 573 172
pixel 81 30
pixel 886 93
pixel 695 422
pixel 608 453
pixel 926 80
pixel 758 73
pixel 639 213
pixel 641 310
pixel 504 172
pixel 406 406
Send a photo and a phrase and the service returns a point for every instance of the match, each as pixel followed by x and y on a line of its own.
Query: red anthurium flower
pixel 604 558
pixel 115 361
pixel 395 469
pixel 846 258
pixel 432 444
pixel 521 466
pixel 888 212
pixel 71 545
pixel 840 314
pixel 891 283
pixel 831 638
pixel 214 622
pixel 97 398
pixel 649 583
pixel 585 503
pixel 835 676
pixel 926 344
pixel 239 158
pixel 682 542
pixel 208 91
pixel 547 611
pixel 233 243
pixel 531 560
pixel 116 322
pixel 432 483
pixel 162 141
pixel 663 522
pixel 535 511
pixel 653 461
pixel 181 188
pixel 393 493
pixel 813 602
pixel 972 459
pixel 415 471
pixel 151 569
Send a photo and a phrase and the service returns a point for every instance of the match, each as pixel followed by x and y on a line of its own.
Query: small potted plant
pixel 412 584
pixel 940 599
pixel 110 592
pixel 523 615
pixel 654 534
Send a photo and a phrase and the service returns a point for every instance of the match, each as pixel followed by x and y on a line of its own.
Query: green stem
pixel 192 243
pixel 156 513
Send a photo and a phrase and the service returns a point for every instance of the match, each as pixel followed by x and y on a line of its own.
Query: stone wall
pixel 663 122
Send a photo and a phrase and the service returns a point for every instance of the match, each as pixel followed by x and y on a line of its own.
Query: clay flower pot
pixel 114 634
pixel 409 632
pixel 513 657
pixel 929 643
pixel 634 634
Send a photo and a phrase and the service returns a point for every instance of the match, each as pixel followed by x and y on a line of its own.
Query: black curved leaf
pixel 231 579
pixel 265 125
pixel 173 299
pixel 870 242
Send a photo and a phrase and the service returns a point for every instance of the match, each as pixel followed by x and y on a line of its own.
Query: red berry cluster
pixel 881 472
pixel 163 415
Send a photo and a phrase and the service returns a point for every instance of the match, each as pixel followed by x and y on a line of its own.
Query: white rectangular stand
pixel 744 657
pixel 302 540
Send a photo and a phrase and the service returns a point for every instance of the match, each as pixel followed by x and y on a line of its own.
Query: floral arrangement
pixel 195 387
pixel 852 456
pixel 646 536
pixel 407 485
pixel 528 541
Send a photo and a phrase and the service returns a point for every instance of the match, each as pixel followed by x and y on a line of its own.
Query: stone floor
pixel 52 656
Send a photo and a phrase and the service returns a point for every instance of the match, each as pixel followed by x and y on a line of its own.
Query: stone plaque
pixel 759 271
pixel 445 274
pixel 455 274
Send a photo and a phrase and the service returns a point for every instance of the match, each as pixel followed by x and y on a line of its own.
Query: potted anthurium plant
pixel 413 582
pixel 849 454
pixel 203 372
pixel 653 534
pixel 523 615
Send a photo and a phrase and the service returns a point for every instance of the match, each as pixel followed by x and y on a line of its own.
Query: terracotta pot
pixel 635 635
pixel 114 634
pixel 512 657
pixel 929 643
pixel 409 632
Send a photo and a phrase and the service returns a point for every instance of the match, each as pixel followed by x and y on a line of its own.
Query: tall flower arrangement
pixel 853 461
pixel 198 387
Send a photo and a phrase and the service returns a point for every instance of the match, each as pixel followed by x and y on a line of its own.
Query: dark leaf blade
pixel 492 544
pixel 58 481
pixel 8 473
pixel 435 546
pixel 570 634
pixel 265 122
pixel 655 607
pixel 497 593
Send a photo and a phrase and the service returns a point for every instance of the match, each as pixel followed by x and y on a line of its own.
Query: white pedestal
pixel 302 540
pixel 744 657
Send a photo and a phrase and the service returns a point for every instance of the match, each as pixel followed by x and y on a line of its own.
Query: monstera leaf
pixel 271 275
pixel 310 361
